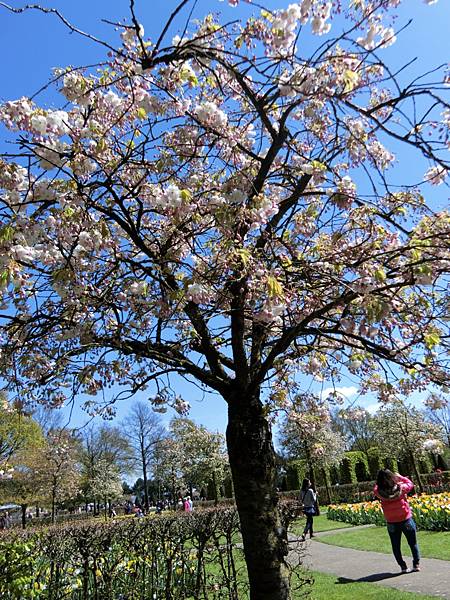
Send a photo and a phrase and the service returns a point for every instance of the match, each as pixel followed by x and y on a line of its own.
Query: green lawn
pixel 432 544
pixel 330 586
pixel 320 524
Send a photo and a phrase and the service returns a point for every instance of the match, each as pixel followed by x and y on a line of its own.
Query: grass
pixel 330 586
pixel 432 544
pixel 320 524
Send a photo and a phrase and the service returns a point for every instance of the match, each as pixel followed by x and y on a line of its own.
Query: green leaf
pixel 380 275
pixel 274 286
pixel 431 340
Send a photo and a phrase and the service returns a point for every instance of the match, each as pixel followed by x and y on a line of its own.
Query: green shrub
pixel 176 557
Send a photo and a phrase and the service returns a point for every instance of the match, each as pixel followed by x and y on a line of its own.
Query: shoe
pixel 416 568
pixel 303 538
pixel 312 535
pixel 405 570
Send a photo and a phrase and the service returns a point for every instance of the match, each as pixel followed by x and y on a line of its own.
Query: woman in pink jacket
pixel 392 490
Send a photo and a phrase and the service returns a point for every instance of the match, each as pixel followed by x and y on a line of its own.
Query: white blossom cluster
pixel 434 446
pixel 210 114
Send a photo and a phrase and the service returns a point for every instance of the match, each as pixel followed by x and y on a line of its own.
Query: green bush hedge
pixel 177 557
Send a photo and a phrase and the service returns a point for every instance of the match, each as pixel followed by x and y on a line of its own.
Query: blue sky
pixel 32 44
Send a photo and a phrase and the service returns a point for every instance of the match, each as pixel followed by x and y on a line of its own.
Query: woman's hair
pixel 306 485
pixel 386 479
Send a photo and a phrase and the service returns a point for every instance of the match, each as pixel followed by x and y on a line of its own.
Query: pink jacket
pixel 396 508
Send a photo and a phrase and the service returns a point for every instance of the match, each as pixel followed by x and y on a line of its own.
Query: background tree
pixel 143 430
pixel 26 487
pixel 403 432
pixel 223 205
pixel 58 462
pixel 438 412
pixel 204 457
pixel 307 434
pixel 104 484
pixel 167 466
pixel 103 444
pixel 17 431
pixel 355 425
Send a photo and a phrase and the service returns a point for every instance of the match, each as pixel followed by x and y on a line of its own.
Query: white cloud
pixel 346 392
pixel 372 408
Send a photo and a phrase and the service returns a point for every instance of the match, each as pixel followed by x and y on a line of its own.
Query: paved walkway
pixel 373 567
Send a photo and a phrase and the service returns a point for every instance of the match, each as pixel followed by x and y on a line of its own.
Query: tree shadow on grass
pixel 369 578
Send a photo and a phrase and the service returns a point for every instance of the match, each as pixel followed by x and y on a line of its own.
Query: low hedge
pixel 175 557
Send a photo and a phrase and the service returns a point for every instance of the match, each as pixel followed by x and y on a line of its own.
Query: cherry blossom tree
pixel 222 205
pixel 307 434
pixel 59 466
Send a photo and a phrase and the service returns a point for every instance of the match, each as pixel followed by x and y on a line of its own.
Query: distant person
pixel 308 498
pixel 392 490
pixel 4 521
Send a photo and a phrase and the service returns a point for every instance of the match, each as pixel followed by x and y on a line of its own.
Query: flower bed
pixel 430 512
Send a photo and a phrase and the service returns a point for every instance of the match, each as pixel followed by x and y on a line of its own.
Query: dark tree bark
pixel 327 487
pixel 24 515
pixel 144 476
pixel 416 472
pixel 253 467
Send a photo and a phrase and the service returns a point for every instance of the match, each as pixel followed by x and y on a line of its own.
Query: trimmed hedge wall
pixel 355 467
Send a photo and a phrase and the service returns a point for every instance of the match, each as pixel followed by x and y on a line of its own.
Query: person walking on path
pixel 308 498
pixel 392 489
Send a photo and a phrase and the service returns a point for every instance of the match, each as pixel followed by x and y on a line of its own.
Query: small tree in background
pixel 307 434
pixel 104 484
pixel 143 430
pixel 204 457
pixel 403 432
pixel 17 431
pixel 104 444
pixel 356 427
pixel 438 412
pixel 167 466
pixel 58 462
pixel 27 486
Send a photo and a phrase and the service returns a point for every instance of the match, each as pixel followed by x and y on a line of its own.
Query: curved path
pixel 373 567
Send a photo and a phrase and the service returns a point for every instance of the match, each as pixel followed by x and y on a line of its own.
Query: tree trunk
pixel 312 475
pixel 144 474
pixel 24 515
pixel 253 467
pixel 327 487
pixel 216 497
pixel 53 509
pixel 416 473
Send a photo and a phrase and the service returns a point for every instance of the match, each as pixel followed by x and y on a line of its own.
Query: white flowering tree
pixel 223 206
pixel 307 434
pixel 167 466
pixel 403 432
pixel 203 455
pixel 104 484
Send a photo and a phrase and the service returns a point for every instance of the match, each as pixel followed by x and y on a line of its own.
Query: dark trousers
pixel 308 524
pixel 395 530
